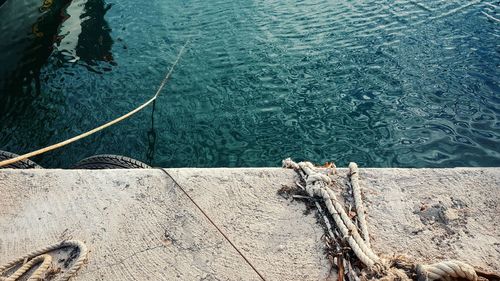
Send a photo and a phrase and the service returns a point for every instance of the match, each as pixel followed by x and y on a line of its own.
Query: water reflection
pixel 85 34
pixel 33 31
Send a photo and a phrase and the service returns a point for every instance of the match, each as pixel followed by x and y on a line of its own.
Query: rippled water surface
pixel 384 83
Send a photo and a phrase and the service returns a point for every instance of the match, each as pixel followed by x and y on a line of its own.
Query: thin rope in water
pixel 104 126
pixel 216 227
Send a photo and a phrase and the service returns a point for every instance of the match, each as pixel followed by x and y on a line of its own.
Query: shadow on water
pixel 59 31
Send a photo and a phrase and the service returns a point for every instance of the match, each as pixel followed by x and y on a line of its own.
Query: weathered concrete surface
pixel 139 225
pixel 272 232
pixel 135 223
pixel 426 214
pixel 433 215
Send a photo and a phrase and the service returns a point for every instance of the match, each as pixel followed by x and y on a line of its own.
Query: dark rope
pixel 215 225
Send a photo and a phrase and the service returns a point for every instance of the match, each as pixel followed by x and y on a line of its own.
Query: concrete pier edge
pixel 137 224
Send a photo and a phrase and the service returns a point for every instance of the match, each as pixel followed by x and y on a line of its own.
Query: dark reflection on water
pixel 28 43
pixel 404 84
pixel 39 35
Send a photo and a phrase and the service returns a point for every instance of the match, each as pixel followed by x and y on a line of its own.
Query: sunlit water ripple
pixel 383 83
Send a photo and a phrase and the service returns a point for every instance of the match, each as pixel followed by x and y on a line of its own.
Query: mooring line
pixel 215 225
pixel 104 126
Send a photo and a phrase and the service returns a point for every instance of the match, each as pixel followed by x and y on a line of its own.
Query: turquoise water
pixel 383 83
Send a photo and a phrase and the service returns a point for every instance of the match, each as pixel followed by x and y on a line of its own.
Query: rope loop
pixel 41 257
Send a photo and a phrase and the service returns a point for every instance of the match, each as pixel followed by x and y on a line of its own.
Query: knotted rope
pixel 317 184
pixel 34 258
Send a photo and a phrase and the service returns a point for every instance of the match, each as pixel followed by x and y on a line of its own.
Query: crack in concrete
pixel 122 260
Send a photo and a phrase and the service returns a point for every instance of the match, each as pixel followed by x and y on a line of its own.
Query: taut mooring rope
pixel 104 126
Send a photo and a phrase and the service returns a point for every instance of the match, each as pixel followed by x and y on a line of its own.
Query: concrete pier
pixel 139 225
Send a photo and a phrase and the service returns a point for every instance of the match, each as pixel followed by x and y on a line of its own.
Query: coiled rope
pixel 317 184
pixel 104 126
pixel 34 258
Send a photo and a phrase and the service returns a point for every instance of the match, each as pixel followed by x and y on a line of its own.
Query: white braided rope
pixel 35 257
pixel 358 203
pixel 37 274
pixel 446 269
pixel 317 185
